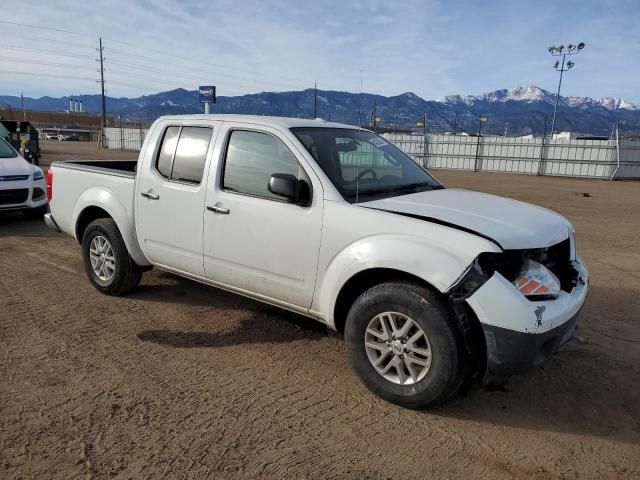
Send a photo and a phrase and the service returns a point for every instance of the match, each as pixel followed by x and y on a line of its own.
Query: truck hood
pixel 509 223
pixel 15 166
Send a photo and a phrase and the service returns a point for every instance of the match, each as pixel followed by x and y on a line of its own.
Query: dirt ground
pixel 179 380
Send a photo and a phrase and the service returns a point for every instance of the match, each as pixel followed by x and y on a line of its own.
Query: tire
pixel 35 213
pixel 439 375
pixel 125 274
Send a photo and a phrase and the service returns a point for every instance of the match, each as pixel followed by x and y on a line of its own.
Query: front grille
pixel 12 178
pixel 9 197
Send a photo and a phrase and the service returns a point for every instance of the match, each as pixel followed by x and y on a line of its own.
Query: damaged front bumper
pixel 520 333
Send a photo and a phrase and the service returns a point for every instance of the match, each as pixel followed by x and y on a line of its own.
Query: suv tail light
pixel 49 184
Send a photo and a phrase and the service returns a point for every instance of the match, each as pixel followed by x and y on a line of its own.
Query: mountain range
pixel 525 109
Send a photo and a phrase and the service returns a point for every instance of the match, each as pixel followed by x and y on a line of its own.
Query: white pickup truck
pixel 431 286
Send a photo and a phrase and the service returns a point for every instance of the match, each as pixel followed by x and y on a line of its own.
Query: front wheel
pixel 404 344
pixel 107 262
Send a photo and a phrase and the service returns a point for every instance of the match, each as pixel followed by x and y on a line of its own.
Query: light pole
pixel 562 67
pixel 481 119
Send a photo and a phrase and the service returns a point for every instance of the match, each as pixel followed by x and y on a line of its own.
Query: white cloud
pixel 430 47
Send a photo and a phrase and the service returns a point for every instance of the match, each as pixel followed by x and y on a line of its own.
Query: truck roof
pixel 287 122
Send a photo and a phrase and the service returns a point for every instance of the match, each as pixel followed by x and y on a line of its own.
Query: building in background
pixel 80 125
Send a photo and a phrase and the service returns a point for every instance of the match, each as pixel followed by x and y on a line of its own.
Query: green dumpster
pixel 18 132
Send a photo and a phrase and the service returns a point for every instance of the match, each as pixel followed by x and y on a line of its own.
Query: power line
pixel 54 52
pixel 39 74
pixel 201 73
pixel 199 62
pixel 42 62
pixel 190 72
pixel 49 40
pixel 164 54
pixel 40 27
pixel 208 73
pixel 165 82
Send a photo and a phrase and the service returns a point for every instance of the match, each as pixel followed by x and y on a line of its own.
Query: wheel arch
pixel 363 281
pixel 467 323
pixel 88 215
pixel 97 203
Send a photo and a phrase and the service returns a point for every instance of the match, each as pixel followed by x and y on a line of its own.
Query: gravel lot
pixel 180 380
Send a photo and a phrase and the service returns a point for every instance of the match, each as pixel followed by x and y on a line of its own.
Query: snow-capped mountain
pixel 533 94
pixel 525 109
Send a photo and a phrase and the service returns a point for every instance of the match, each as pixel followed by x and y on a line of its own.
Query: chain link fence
pixel 534 156
pixel 125 138
pixel 619 159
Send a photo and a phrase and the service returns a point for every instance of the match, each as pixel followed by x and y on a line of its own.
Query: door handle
pixel 220 210
pixel 150 195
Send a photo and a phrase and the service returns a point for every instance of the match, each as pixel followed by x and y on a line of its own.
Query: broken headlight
pixel 533 279
pixel 536 281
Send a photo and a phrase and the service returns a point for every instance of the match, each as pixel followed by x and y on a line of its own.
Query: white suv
pixel 22 184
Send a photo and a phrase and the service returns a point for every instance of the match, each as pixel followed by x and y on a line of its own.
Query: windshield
pixel 362 165
pixel 6 150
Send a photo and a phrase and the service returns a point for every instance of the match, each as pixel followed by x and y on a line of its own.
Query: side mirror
pixel 288 186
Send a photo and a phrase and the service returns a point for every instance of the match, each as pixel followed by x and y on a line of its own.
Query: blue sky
pixel 432 48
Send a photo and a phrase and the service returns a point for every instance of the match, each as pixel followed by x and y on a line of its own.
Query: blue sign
pixel 207 94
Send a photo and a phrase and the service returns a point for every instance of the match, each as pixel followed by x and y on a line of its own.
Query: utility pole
pixel 481 120
pixel 315 101
pixel 360 107
pixel 506 128
pixel 103 123
pixel 373 115
pixel 425 145
pixel 24 115
pixel 395 122
pixel 541 165
pixel 140 136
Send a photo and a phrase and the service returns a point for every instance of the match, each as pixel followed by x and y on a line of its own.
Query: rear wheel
pixel 107 262
pixel 404 344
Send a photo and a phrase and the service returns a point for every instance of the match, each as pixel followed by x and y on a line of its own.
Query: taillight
pixel 50 184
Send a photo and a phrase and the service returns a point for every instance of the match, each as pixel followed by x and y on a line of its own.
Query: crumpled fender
pixel 105 199
pixel 437 264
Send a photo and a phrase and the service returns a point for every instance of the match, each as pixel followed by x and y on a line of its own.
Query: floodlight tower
pixel 556 52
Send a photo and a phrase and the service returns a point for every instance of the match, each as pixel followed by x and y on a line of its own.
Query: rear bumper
pixel 51 223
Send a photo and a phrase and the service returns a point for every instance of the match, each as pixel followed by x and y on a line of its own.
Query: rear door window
pixel 183 153
pixel 167 151
pixel 191 154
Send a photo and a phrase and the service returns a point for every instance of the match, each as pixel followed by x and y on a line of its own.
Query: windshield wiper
pixel 397 188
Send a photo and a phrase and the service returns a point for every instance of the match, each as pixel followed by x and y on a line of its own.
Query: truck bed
pixel 110 167
pixel 78 183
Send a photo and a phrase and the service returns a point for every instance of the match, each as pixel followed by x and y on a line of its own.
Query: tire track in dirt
pixel 298 403
pixel 183 380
